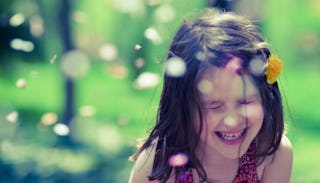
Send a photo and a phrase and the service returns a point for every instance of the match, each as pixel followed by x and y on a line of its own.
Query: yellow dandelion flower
pixel 274 69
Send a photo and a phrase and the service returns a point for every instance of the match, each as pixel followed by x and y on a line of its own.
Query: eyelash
pixel 216 107
pixel 246 102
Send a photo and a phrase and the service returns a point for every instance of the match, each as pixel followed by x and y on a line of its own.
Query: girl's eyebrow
pixel 252 96
pixel 217 101
pixel 212 102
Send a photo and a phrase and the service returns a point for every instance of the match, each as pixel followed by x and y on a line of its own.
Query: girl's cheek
pixel 255 113
pixel 212 119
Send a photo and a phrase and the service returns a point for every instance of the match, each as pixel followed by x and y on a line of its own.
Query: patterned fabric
pixel 247 172
pixel 184 176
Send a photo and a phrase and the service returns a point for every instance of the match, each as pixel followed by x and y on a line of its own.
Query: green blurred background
pixel 119 47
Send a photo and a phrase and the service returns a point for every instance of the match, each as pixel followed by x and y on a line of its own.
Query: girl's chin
pixel 226 151
pixel 234 149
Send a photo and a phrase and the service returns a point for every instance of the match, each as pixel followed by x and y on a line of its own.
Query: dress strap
pixel 247 172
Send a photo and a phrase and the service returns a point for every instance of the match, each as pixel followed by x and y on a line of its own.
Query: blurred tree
pixel 16 41
pixel 224 5
pixel 67 43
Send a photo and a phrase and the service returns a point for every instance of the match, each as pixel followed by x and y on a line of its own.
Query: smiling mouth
pixel 231 137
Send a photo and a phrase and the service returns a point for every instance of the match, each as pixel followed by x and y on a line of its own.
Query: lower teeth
pixel 229 138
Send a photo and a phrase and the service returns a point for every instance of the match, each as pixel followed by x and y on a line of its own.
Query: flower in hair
pixel 274 68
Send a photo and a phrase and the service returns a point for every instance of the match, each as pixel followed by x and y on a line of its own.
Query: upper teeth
pixel 231 136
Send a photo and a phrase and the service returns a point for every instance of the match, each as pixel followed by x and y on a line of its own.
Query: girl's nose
pixel 233 117
pixel 230 121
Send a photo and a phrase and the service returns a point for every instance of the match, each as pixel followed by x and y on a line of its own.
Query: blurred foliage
pixel 112 112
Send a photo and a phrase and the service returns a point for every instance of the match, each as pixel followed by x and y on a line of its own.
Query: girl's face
pixel 233 113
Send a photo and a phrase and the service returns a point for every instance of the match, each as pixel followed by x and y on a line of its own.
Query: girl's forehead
pixel 233 66
pixel 226 82
pixel 223 75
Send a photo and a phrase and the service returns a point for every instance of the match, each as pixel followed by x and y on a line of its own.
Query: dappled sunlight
pixel 164 13
pixel 257 66
pixel 205 86
pixel 12 117
pixel 34 73
pixel 17 19
pixel 36 26
pixel 175 67
pixel 80 17
pixel 97 144
pixel 21 83
pixel 75 64
pixel 134 7
pixel 22 45
pixel 9 118
pixel 201 56
pixel 152 34
pixel 146 80
pixel 107 138
pixel 49 118
pixel 117 71
pixel 139 63
pixel 115 63
pixel 108 52
pixel 61 129
pixel 46 159
pixel 87 111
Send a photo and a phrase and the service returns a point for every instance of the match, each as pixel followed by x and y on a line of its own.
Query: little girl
pixel 221 120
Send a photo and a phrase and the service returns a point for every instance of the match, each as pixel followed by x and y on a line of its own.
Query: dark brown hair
pixel 216 38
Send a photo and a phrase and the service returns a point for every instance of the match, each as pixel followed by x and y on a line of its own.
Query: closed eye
pixel 215 107
pixel 249 99
pixel 246 102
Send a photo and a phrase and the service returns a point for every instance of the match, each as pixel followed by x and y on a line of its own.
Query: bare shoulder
pixel 279 166
pixel 143 166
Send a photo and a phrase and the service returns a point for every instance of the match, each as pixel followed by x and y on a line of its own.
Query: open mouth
pixel 231 137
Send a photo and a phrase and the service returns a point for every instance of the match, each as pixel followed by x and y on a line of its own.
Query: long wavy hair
pixel 212 40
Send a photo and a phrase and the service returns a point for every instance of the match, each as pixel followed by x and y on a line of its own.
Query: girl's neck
pixel 210 157
pixel 218 167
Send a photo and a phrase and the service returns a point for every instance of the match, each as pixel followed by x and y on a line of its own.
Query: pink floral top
pixel 247 172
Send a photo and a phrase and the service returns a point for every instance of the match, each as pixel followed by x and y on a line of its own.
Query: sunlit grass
pixel 306 166
pixel 43 89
